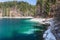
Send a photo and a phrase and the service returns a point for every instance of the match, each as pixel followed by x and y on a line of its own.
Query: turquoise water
pixel 17 29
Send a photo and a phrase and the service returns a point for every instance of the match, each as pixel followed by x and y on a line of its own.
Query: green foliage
pixel 47 7
pixel 21 6
pixel 39 2
pixel 53 1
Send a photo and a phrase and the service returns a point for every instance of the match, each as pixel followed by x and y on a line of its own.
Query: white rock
pixel 48 35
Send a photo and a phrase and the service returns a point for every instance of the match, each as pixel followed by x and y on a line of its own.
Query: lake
pixel 19 29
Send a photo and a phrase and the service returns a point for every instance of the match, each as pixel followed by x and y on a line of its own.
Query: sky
pixel 33 2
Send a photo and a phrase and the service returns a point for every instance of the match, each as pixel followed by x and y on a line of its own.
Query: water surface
pixel 17 29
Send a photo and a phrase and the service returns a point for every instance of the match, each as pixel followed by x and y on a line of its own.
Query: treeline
pixel 21 6
pixel 46 7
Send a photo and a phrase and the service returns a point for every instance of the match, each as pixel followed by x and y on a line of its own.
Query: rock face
pixel 56 30
pixel 48 35
pixel 53 32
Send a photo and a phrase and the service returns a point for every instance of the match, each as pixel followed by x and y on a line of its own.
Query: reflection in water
pixel 18 29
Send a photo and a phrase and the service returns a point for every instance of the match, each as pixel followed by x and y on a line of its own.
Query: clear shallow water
pixel 17 29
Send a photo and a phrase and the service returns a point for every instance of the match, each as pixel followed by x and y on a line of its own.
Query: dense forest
pixel 42 8
pixel 45 7
pixel 20 6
